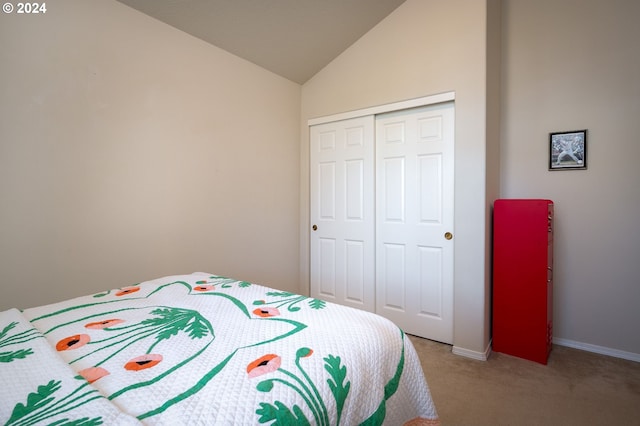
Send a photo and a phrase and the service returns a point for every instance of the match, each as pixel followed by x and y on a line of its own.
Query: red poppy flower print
pixel 72 342
pixel 204 287
pixel 263 365
pixel 143 362
pixel 99 325
pixel 92 374
pixel 266 312
pixel 127 290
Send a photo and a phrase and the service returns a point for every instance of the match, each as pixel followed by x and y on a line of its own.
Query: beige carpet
pixel 574 388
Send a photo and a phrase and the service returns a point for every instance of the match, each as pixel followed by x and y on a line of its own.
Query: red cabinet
pixel 523 278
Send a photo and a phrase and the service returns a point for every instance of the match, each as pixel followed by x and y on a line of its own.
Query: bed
pixel 201 349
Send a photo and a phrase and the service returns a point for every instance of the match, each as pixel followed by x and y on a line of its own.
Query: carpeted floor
pixel 574 388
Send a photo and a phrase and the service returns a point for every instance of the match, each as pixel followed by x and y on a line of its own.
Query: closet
pixel 381 188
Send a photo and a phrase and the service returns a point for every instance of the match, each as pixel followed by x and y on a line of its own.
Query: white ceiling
pixel 292 38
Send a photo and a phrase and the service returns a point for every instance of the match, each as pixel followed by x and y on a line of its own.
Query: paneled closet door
pixel 414 220
pixel 342 212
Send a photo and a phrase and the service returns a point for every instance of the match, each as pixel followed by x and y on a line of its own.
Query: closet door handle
pixel 314 227
pixel 448 235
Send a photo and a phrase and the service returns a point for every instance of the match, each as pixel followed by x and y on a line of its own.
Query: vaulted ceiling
pixel 292 38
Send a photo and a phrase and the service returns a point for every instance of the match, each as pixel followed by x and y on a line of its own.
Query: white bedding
pixel 202 350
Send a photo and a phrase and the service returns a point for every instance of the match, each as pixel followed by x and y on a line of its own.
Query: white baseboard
pixel 597 349
pixel 481 356
pixel 602 350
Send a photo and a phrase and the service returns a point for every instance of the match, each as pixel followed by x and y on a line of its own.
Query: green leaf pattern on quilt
pixel 167 322
pixel 338 384
pixel 290 300
pixel 339 388
pixel 282 415
pixel 7 339
pixel 42 404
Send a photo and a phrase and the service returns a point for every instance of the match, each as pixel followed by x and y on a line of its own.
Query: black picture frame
pixel 568 150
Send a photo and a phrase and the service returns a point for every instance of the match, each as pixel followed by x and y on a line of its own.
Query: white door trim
pixel 395 106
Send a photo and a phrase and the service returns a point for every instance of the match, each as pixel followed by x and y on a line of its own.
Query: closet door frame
pixel 381 109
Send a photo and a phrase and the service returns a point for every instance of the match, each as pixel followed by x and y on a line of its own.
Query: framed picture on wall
pixel 568 150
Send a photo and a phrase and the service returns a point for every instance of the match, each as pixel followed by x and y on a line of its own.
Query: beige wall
pixel 494 57
pixel 568 65
pixel 425 47
pixel 130 150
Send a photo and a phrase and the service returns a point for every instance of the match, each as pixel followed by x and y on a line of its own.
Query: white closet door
pixel 414 210
pixel 342 212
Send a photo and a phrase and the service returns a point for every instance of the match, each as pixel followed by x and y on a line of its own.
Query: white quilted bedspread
pixel 206 350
